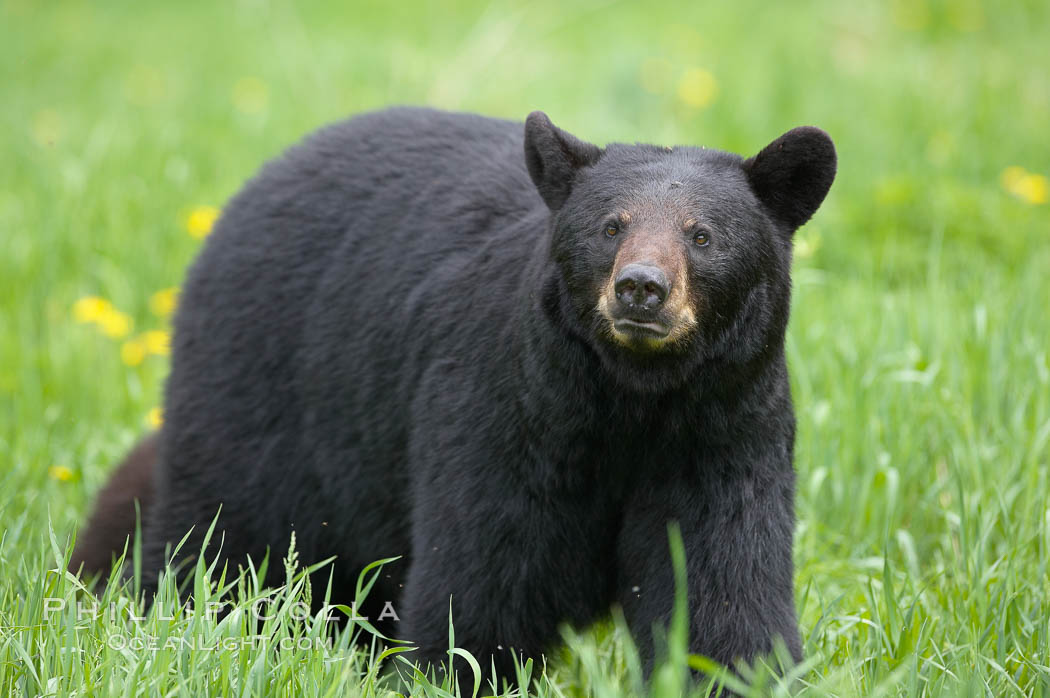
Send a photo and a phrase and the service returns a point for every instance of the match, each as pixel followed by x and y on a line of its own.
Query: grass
pixel 918 342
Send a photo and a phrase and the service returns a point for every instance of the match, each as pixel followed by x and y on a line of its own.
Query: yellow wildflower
pixel 115 324
pixel 60 473
pixel 1035 189
pixel 162 303
pixel 1027 186
pixel 133 352
pixel 91 308
pixel 697 88
pixel 201 220
pixel 157 342
pixel 155 417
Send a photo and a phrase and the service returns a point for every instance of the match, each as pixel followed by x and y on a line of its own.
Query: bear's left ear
pixel 792 175
pixel 553 157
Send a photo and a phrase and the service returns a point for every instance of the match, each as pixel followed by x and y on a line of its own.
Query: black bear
pixel 510 357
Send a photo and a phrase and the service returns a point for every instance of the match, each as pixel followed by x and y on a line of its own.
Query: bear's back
pixel 364 177
pixel 384 200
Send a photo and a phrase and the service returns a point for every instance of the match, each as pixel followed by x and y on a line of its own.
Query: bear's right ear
pixel 553 157
pixel 792 175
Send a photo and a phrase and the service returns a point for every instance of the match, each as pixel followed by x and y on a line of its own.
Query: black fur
pixel 552 156
pixel 113 521
pixel 390 344
pixel 793 173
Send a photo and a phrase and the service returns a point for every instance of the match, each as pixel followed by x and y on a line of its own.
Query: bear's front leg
pixel 498 533
pixel 737 522
pixel 512 565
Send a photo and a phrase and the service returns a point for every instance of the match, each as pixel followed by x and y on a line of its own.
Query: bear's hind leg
pixel 113 519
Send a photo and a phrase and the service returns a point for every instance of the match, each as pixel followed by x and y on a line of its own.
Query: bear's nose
pixel 641 287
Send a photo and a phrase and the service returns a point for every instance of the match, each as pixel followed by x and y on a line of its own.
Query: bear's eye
pixel 701 238
pixel 611 229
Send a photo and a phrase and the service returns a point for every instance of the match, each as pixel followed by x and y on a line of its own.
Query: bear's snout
pixel 645 299
pixel 641 288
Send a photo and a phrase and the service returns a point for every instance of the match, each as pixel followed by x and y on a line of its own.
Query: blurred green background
pixel 919 335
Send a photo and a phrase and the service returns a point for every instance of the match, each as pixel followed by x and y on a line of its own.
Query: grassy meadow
pixel 918 343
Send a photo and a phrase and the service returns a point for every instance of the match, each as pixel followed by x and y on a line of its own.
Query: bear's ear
pixel 553 157
pixel 792 174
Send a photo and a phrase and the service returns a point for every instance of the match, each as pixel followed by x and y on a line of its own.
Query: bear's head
pixel 672 257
